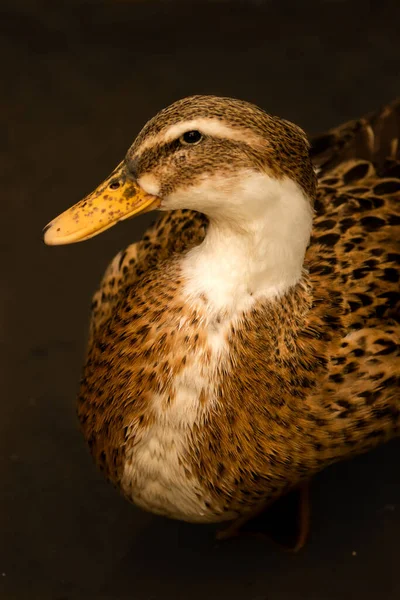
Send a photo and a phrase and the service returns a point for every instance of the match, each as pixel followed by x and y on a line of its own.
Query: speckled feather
pixel 313 377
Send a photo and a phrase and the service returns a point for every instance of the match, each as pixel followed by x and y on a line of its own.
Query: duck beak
pixel 119 197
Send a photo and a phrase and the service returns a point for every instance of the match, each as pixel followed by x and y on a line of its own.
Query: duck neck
pixel 258 253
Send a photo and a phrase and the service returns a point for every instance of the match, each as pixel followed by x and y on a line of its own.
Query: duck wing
pixel 374 137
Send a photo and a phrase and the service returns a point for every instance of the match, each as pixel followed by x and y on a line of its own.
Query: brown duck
pixel 251 338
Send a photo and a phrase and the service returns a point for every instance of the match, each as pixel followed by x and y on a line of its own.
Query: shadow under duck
pixel 251 338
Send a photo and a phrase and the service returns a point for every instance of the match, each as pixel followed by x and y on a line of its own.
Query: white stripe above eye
pixel 213 127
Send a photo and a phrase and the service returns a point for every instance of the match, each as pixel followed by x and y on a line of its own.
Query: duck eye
pixel 191 137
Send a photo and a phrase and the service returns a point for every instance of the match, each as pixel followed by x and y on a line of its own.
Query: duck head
pixel 223 157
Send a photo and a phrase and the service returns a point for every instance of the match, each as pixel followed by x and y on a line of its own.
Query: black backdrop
pixel 79 82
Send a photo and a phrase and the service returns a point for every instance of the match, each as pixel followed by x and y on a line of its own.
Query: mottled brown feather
pixel 304 393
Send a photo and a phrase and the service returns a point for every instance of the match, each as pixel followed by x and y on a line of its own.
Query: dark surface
pixel 78 84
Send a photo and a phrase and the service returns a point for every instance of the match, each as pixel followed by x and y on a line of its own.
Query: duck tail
pixel 374 137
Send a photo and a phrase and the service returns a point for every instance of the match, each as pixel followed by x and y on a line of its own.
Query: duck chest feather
pixel 197 417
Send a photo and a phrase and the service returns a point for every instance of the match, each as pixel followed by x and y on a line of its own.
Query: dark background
pixel 77 85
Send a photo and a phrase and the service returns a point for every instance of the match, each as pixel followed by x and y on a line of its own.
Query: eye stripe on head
pixel 150 156
pixel 207 126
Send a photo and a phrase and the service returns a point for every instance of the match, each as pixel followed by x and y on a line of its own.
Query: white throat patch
pixel 256 242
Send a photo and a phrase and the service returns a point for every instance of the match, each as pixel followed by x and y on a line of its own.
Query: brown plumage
pixel 305 378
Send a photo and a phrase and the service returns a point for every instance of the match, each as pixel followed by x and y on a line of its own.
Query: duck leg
pixel 286 521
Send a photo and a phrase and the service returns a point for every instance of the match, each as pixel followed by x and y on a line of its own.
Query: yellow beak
pixel 116 199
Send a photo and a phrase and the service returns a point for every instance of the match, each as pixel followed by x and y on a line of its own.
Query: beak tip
pixel 46 234
pixel 49 235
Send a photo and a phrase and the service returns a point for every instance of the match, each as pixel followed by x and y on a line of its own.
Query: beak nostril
pixel 114 185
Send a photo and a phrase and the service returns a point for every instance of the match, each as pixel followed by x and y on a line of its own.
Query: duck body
pixel 216 380
pixel 242 401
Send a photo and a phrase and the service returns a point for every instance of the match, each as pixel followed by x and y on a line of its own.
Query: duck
pixel 251 338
